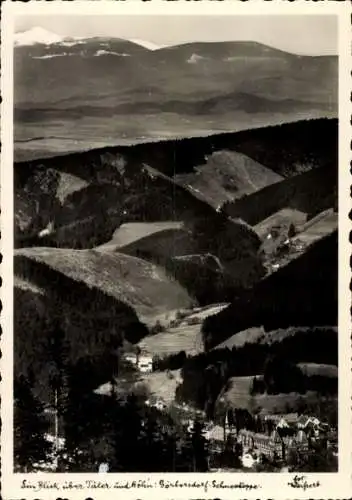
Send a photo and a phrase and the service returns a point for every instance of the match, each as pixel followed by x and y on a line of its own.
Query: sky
pixel 309 34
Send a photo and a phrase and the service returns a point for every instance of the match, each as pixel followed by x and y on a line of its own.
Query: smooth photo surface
pixel 175 274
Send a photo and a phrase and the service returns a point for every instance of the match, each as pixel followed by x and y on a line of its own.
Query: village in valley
pixel 239 440
pixel 237 434
pixel 249 426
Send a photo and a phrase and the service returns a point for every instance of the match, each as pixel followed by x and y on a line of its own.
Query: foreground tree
pixel 30 446
pixel 58 364
pixel 120 430
pixel 194 450
pixel 200 448
pixel 84 417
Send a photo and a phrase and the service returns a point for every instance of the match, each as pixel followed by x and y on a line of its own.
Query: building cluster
pixel 273 446
pixel 142 362
pixel 273 438
pixel 277 439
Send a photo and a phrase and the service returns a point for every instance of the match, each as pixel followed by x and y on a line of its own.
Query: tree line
pixel 206 374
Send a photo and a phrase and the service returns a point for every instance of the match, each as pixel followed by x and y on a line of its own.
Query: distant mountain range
pixel 73 94
pixel 38 35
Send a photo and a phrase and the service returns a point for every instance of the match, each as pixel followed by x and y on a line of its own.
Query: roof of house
pixel 306 421
pixel 283 423
pixel 145 358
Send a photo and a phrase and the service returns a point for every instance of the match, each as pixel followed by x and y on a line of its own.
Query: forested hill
pixel 286 149
pixel 303 293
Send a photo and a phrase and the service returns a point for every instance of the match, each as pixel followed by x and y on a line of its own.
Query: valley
pixel 164 265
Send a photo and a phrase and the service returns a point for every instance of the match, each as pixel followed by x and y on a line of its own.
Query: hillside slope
pixel 277 361
pixel 90 324
pixel 119 190
pixel 210 269
pixel 133 197
pixel 130 233
pixel 209 280
pixel 302 293
pixel 108 187
pixel 285 150
pixel 131 281
pixel 227 175
pixel 310 192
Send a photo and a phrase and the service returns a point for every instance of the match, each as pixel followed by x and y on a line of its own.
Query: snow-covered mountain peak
pixel 38 35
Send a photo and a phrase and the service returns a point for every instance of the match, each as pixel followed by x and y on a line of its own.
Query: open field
pixel 163 385
pixel 237 390
pixel 310 193
pixel 182 338
pixel 260 336
pixel 160 245
pixel 319 225
pixel 281 219
pixel 225 176
pixel 281 334
pixel 68 184
pixel 131 232
pixel 237 395
pixel 321 370
pixel 251 335
pixel 203 312
pixel 286 403
pixel 322 225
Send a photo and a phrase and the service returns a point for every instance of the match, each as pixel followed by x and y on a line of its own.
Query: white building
pixel 145 364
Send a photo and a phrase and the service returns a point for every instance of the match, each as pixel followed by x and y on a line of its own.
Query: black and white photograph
pixel 175 262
